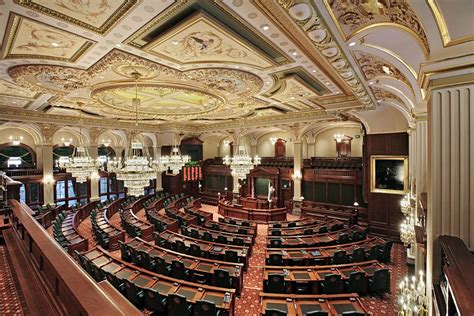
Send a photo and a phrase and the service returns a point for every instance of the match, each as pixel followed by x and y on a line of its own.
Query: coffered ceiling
pixel 208 63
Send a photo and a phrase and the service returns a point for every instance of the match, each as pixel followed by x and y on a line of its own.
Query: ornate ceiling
pixel 199 61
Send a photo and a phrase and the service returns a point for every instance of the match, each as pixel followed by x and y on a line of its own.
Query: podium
pixel 255 203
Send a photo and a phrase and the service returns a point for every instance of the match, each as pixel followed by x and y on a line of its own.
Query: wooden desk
pixel 255 203
pixel 314 275
pixel 314 240
pixel 294 305
pixel 237 222
pixel 321 255
pixel 225 208
pixel 167 239
pixel 163 284
pixel 331 225
pixel 196 265
pixel 153 215
pixel 299 223
pixel 192 229
pixel 222 226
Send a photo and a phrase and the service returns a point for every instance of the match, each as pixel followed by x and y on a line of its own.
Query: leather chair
pixel 231 256
pixel 195 250
pixel 323 229
pixel 222 239
pixel 153 301
pixel 276 232
pixel 148 262
pixel 275 259
pixel 178 305
pixel 340 257
pixel 205 308
pixel 178 270
pixel 274 312
pixel 275 243
pixel 332 284
pixel 353 313
pixel 161 266
pixel 385 252
pixel 243 231
pixel 358 255
pixel 357 283
pixel 380 282
pixel 136 256
pixel 374 252
pixel 124 252
pixel 238 241
pixel 180 246
pixel 317 313
pixel 134 294
pixel 207 236
pixel 222 278
pixel 275 283
pixel 343 239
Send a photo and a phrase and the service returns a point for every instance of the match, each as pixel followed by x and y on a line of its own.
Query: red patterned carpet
pixel 10 295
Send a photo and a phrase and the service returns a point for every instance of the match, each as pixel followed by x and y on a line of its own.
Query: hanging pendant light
pixel 175 161
pixel 136 170
pixel 241 163
pixel 81 166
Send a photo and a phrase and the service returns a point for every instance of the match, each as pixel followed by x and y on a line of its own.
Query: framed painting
pixel 389 174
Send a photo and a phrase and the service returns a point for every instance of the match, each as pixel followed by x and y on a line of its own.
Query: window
pixel 70 192
pixel 110 187
pixel 14 162
pixel 22 193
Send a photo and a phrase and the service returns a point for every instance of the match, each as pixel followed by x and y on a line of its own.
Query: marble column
pixel 48 177
pixel 297 169
pixel 39 157
pixel 95 178
pixel 451 170
pixel 159 181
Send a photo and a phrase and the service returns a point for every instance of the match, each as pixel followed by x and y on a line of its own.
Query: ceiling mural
pixel 31 39
pixel 200 40
pixel 356 15
pixel 373 66
pixel 97 16
pixel 202 64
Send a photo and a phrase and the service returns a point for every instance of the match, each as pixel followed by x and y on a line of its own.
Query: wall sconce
pixel 405 205
pixel 225 189
pixel 226 142
pixel 356 204
pixel 48 180
pixel 106 142
pixel 66 142
pixel 339 137
pixel 273 140
pixel 16 140
pixel 302 198
pixel 296 175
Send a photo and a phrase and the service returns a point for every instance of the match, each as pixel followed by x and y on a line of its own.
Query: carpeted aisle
pixel 11 297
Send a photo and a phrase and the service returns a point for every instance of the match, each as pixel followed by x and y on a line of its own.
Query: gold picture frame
pixel 389 174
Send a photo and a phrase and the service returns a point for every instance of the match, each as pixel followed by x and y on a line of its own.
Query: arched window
pixel 17 157
pixel 62 151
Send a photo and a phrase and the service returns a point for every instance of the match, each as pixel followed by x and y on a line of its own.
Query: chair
pixel 98 273
pixel 340 257
pixel 275 243
pixel 178 305
pixel 358 255
pixel 116 282
pixel 275 283
pixel 243 231
pixel 332 284
pixel 136 256
pixel 134 294
pixel 221 278
pixel 205 308
pixel 207 236
pixel 153 301
pixel 238 241
pixel 222 239
pixel 232 222
pixel 374 252
pixel 343 239
pixel 161 266
pixel 308 231
pixel 385 252
pixel 357 283
pixel 195 233
pixel 276 232
pixel 148 262
pixel 353 313
pixel 275 259
pixel 274 312
pixel 292 224
pixel 323 229
pixel 380 282
pixel 231 256
pixel 276 225
pixel 178 270
pixel 180 246
pixel 195 250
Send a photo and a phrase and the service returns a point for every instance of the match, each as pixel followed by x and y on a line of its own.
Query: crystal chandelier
pixel 241 163
pixel 405 205
pixel 136 170
pixel 175 161
pixel 81 166
pixel 16 140
pixel 412 296
pixel 407 231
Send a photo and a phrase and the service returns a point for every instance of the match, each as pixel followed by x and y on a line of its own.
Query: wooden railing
pixel 71 289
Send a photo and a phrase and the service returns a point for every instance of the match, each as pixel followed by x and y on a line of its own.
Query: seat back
pixel 178 269
pixel 204 308
pixel 274 312
pixel 276 283
pixel 333 284
pixel 180 246
pixel 317 313
pixel 357 283
pixel 222 239
pixel 153 300
pixel 221 278
pixel 323 229
pixel 207 236
pixel 195 250
pixel 358 255
pixel 231 256
pixel 124 252
pixel 177 305
pixel 386 251
pixel 381 281
pixel 276 232
pixel 340 257
pixel 275 243
pixel 374 252
pixel 238 241
pixel 134 294
pixel 343 239
pixel 275 259
pixel 148 262
pixel 161 266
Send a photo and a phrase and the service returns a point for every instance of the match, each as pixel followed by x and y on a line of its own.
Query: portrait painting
pixel 389 174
